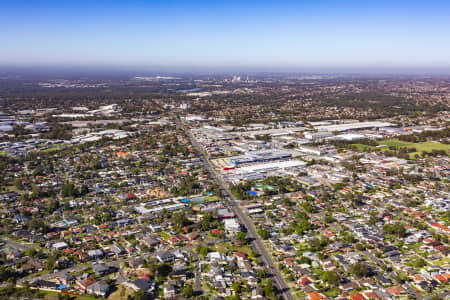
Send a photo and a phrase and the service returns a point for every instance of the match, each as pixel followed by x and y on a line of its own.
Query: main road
pixel 231 200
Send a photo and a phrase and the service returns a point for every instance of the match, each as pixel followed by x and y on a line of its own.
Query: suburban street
pixel 16 245
pixel 117 262
pixel 198 277
pixel 251 232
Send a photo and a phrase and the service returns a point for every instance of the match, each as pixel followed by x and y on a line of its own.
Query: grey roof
pixel 66 276
pixel 165 255
pixel 144 284
pixel 100 287
pixel 135 262
pixel 117 249
pixel 382 294
pixel 100 268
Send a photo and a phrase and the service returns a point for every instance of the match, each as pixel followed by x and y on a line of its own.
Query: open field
pixel 425 146
pixel 385 144
pixel 212 198
pixel 50 150
pixel 225 247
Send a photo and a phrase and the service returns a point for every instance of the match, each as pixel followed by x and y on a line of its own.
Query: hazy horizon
pixel 127 70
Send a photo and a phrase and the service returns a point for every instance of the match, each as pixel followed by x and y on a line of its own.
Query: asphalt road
pixel 198 277
pixel 116 262
pixel 16 245
pixel 391 275
pixel 257 243
pixel 76 268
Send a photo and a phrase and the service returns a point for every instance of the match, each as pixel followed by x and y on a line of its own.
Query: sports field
pixel 425 146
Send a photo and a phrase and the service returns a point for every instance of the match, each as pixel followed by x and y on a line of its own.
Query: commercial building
pixel 260 156
pixel 268 167
pixel 310 150
pixel 232 226
pixel 317 136
pixel 349 137
pixel 354 126
pixel 263 170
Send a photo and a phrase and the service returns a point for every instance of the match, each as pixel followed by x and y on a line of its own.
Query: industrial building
pixel 260 156
pixel 317 136
pixel 263 170
pixel 354 126
pixel 349 137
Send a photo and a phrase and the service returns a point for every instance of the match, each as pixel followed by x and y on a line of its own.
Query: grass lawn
pixel 414 246
pixel 300 295
pixel 425 146
pixel 396 143
pixel 333 292
pixel 11 188
pixel 116 294
pixel 50 150
pixel 225 247
pixel 206 289
pixel 212 198
pixel 442 262
pixel 48 295
pixel 45 272
pixel 361 147
pixel 54 296
pixel 164 235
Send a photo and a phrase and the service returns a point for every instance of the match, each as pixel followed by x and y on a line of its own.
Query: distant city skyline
pixel 206 35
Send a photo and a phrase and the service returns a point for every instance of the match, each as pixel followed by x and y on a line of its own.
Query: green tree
pixel 35 191
pixel 38 224
pixel 236 286
pixel 261 273
pixel 83 190
pixel 359 269
pixel 205 222
pixel 68 190
pixel 396 228
pixel 263 234
pixel 241 237
pixel 180 220
pixel 373 218
pixel 18 183
pixel 188 291
pixel 359 247
pixel 204 250
pixel 331 277
pixel 51 262
pixel 268 288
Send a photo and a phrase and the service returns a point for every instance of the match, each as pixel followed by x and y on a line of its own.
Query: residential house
pixel 165 256
pixel 99 288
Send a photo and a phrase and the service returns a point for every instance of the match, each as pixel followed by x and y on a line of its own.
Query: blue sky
pixel 264 34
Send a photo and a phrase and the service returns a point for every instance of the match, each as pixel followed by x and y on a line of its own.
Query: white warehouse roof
pixel 270 166
pixel 359 125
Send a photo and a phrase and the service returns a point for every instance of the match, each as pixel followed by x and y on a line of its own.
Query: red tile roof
pixel 394 290
pixel 370 295
pixel 357 297
pixel 317 296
